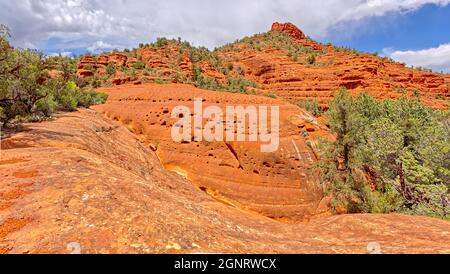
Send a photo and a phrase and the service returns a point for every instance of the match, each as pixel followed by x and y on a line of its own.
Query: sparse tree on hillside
pixel 27 92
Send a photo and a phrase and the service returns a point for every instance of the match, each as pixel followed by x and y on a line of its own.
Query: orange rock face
pixel 85 184
pixel 290 29
pixel 296 34
pixel 282 185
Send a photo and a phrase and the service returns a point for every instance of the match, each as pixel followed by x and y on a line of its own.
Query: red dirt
pixel 5 205
pixel 12 161
pixel 14 194
pixel 26 173
pixel 10 193
pixel 9 226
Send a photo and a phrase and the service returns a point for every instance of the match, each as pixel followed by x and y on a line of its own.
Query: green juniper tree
pixel 400 146
pixel 27 92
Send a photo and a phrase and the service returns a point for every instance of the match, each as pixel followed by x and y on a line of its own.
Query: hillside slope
pixel 83 179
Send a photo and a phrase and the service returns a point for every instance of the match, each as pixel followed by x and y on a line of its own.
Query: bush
pixel 95 82
pixel 240 85
pixel 81 82
pixel 161 42
pixel 87 99
pixel 311 59
pixel 389 156
pixel 312 106
pixel 146 72
pixel 67 102
pixel 47 105
pixel 130 73
pixel 2 114
pixel 111 69
pixel 139 65
pixel 28 93
pixel 270 95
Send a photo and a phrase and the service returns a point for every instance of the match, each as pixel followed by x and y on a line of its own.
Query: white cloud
pixel 63 54
pixel 437 59
pixel 100 45
pixel 381 7
pixel 64 23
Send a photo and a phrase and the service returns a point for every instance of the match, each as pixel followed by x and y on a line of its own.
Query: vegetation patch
pixel 389 156
pixel 29 93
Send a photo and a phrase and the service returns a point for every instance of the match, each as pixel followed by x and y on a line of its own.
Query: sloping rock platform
pixel 85 181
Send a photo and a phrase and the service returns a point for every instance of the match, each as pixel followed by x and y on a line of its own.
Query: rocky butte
pixel 283 62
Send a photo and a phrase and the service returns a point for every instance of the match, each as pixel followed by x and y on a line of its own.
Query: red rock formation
pixel 282 185
pixel 85 73
pixel 115 197
pixel 295 80
pixel 296 34
pixel 289 29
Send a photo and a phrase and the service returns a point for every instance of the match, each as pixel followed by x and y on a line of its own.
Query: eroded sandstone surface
pixel 282 185
pixel 85 181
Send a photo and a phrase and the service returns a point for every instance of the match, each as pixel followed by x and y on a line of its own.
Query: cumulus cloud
pixel 101 46
pixel 437 59
pixel 381 7
pixel 81 23
pixel 63 54
pixel 35 22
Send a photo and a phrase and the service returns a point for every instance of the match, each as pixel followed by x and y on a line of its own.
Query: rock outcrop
pixel 282 185
pixel 290 29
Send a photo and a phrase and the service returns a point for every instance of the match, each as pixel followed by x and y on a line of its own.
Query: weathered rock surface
pixel 85 181
pixel 282 185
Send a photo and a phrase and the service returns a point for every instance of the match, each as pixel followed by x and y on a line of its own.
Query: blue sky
pixel 416 32
pixel 426 27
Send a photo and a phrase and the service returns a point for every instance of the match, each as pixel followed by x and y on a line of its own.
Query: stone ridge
pixel 289 29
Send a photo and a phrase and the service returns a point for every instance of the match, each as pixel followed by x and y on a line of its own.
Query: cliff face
pixel 83 183
pixel 283 61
